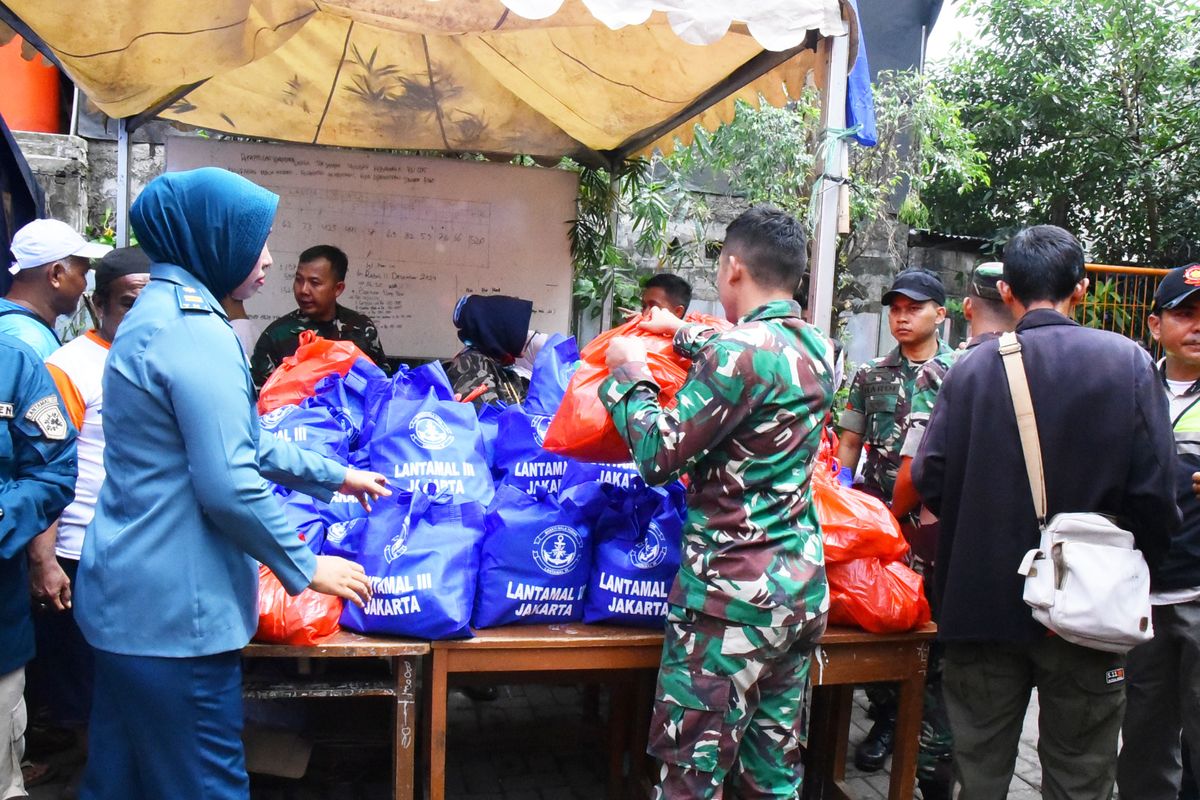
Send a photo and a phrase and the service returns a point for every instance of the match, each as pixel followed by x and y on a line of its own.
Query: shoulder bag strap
pixel 1018 386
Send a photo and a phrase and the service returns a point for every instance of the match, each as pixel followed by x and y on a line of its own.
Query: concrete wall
pixel 79 175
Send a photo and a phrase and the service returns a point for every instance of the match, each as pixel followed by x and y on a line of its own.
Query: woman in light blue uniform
pixel 167 579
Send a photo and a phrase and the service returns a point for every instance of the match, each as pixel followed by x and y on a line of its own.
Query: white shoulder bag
pixel 1087 581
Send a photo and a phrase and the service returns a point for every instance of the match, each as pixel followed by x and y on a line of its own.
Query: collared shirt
pixel 77 368
pixel 37 476
pixel 925 391
pixel 19 322
pixel 282 337
pixel 876 408
pixel 168 563
pixel 745 427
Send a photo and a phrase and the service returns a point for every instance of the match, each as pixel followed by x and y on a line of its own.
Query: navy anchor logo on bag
pixel 430 431
pixel 556 550
pixel 652 549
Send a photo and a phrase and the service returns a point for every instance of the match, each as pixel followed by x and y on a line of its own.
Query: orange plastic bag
pixel 294 379
pixel 582 428
pixel 854 524
pixel 878 597
pixel 305 619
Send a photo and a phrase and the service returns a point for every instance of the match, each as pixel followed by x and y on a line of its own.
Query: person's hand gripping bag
pixel 520 460
pixel 534 562
pixel 297 377
pixel 420 551
pixel 877 597
pixel 423 435
pixel 305 619
pixel 582 428
pixel 637 537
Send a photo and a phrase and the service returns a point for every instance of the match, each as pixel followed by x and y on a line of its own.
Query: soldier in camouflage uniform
pixel 876 410
pixel 750 599
pixel 988 318
pixel 320 279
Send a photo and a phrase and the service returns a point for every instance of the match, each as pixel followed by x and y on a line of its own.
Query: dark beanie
pixel 118 263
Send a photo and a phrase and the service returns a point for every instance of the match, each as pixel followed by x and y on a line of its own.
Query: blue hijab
pixel 209 221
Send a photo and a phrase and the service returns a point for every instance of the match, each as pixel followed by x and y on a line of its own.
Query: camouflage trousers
pixel 729 709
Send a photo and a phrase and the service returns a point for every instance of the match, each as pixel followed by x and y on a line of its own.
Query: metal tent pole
pixel 124 148
pixel 824 254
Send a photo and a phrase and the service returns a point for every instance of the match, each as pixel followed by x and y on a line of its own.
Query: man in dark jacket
pixel 1164 673
pixel 1107 448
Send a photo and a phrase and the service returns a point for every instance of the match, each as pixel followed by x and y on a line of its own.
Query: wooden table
pixel 847 657
pixel 576 648
pixel 403 655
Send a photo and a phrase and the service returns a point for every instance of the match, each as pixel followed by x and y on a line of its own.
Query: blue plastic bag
pixel 489 428
pixel 422 435
pixel 313 429
pixel 552 369
pixel 312 518
pixel 637 537
pixel 346 398
pixel 519 459
pixel 584 473
pixel 533 566
pixel 421 554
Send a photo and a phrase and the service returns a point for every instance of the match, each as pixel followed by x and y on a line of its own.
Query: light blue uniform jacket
pixel 168 564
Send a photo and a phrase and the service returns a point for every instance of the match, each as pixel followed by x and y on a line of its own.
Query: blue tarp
pixel 860 102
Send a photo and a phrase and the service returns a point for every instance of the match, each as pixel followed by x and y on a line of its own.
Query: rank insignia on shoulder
pixel 190 299
pixel 46 414
pixel 6 411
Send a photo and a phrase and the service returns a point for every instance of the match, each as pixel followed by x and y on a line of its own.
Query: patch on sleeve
pixel 1114 675
pixel 6 411
pixel 46 414
pixel 190 299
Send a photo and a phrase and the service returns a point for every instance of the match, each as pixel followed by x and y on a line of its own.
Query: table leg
pixel 620 708
pixel 437 726
pixel 405 721
pixel 908 732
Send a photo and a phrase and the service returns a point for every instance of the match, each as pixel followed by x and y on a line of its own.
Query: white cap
pixel 44 241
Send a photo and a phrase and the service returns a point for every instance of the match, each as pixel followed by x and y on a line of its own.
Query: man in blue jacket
pixel 1107 448
pixel 37 481
pixel 1163 675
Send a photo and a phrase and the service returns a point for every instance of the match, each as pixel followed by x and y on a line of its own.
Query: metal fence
pixel 1119 299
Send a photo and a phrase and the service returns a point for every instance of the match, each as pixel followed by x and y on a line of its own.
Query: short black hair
pixel 1043 262
pixel 678 291
pixel 772 245
pixel 336 258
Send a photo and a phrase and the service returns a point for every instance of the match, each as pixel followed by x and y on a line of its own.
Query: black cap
pixel 120 262
pixel 1176 286
pixel 917 284
pixel 984 278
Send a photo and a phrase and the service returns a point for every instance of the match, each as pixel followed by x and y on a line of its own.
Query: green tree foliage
pixel 1089 113
pixel 767 154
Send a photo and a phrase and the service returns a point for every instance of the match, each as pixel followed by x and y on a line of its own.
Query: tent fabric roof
pixel 598 80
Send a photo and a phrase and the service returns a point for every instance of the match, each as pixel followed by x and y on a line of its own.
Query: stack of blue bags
pixel 485 527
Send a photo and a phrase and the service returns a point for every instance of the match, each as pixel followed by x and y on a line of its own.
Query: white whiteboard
pixel 419 233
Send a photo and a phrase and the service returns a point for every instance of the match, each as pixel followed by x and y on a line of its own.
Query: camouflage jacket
pixel 745 427
pixel 925 391
pixel 879 402
pixel 471 368
pixel 282 337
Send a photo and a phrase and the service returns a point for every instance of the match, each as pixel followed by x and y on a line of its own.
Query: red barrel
pixel 29 99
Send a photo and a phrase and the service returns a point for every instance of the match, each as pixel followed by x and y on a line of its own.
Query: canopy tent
pixel 597 80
